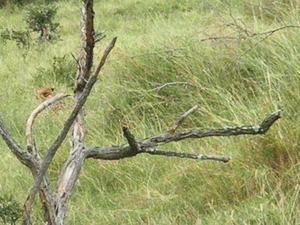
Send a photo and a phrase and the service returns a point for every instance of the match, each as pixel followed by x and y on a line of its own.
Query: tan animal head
pixel 44 93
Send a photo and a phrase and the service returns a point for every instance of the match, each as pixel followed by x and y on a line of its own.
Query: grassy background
pixel 236 79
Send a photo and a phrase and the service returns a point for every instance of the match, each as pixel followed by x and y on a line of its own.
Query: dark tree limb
pixel 83 86
pixel 51 151
pixel 68 123
pixel 131 140
pixel 124 151
pixel 85 58
pixel 23 156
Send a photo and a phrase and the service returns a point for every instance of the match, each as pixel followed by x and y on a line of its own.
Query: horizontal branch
pixel 268 32
pixel 201 133
pixel 124 151
pixel 248 34
pixel 224 159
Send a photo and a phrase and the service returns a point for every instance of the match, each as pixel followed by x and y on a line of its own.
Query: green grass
pixel 234 80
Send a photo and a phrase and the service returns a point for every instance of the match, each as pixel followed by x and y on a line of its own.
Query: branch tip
pixel 182 118
pixel 109 47
pixel 223 159
pixel 269 120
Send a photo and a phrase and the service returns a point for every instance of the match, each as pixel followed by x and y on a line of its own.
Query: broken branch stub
pixel 131 140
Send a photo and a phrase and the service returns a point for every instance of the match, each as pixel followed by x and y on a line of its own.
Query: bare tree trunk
pixel 84 65
pixel 66 182
pixel 72 166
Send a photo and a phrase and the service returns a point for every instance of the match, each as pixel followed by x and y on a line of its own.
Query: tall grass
pixel 164 64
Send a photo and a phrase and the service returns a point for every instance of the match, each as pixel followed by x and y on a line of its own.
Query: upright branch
pixel 81 93
pixel 29 137
pixel 131 140
pixel 51 151
pixel 85 59
pixel 85 63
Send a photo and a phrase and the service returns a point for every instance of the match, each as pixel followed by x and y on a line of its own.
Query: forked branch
pixel 149 144
pixel 51 151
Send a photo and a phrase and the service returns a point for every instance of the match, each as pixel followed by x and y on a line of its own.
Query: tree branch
pixel 23 156
pixel 68 123
pixel 182 118
pixel 99 36
pixel 104 57
pixel 248 33
pixel 131 140
pixel 63 133
pixel 224 159
pixel 29 138
pixel 124 151
pixel 72 166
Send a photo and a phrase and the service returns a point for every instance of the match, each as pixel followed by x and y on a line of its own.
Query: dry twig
pixel 182 118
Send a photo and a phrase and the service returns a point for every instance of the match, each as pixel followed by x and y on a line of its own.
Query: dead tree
pixel 54 202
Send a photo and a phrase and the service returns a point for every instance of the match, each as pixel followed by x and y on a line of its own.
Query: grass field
pixel 238 60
